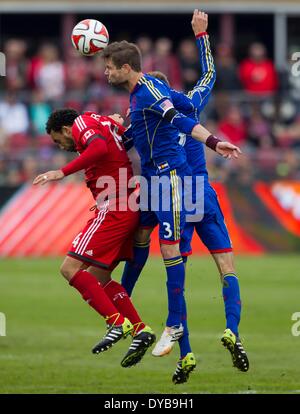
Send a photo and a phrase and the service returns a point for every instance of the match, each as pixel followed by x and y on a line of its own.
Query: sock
pixel 184 343
pixel 122 302
pixel 175 284
pixel 133 269
pixel 232 302
pixel 93 293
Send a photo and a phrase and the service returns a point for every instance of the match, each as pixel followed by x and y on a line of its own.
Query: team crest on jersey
pixel 163 166
pixel 88 134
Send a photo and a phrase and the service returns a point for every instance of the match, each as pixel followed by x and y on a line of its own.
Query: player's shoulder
pixel 86 125
pixel 88 120
pixel 153 88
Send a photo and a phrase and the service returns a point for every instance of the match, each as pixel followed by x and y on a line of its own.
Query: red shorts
pixel 106 239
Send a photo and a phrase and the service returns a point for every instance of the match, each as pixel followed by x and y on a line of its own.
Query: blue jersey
pixel 155 126
pixel 193 103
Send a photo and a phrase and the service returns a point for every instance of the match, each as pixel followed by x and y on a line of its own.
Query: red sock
pixel 93 293
pixel 122 302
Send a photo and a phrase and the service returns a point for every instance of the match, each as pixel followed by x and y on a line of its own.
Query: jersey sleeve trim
pixel 97 136
pixel 151 88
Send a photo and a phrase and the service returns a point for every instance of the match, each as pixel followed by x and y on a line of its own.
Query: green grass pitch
pixel 50 331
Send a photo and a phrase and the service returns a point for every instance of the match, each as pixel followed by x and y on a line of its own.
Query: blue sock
pixel 232 302
pixel 175 284
pixel 184 343
pixel 133 269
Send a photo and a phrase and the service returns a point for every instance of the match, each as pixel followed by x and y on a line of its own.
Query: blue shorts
pixel 163 205
pixel 211 229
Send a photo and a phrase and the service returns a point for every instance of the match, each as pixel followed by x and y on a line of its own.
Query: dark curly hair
pixel 60 118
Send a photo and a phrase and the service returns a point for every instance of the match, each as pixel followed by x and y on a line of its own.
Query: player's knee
pixel 225 262
pixel 67 271
pixel 169 251
pixel 143 235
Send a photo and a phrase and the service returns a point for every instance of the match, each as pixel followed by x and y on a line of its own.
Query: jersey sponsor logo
pixel 120 295
pixel 89 252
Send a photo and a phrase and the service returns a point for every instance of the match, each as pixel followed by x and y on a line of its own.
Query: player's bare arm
pixel 117 118
pixel 199 22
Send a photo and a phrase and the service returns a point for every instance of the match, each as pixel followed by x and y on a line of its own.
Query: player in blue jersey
pixel 211 229
pixel 154 125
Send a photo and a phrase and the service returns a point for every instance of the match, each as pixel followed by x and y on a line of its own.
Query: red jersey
pixel 258 77
pixel 90 126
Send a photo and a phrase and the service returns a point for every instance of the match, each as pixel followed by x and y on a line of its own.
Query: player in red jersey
pixel 108 237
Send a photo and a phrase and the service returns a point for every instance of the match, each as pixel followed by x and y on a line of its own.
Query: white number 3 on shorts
pixel 167 229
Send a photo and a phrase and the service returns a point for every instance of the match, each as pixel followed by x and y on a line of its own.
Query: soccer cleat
pixel 167 340
pixel 235 347
pixel 184 367
pixel 113 334
pixel 140 343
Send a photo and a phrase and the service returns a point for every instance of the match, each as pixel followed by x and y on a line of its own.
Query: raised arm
pixel 202 90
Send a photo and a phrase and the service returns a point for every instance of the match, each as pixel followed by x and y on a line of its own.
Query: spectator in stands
pixel 165 61
pixel 227 69
pixel 13 116
pixel 189 63
pixel 259 129
pixel 39 111
pixel 30 168
pixel 98 87
pixel 47 72
pixel 233 126
pixel 288 135
pixel 14 176
pixel 145 45
pixel 272 128
pixel 257 72
pixel 289 165
pixel 78 75
pixel 290 77
pixel 16 64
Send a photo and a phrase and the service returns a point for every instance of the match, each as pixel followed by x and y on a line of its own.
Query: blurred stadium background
pixel 259 193
pixel 261 112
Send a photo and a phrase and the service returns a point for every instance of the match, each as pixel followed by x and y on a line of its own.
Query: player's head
pixel 122 59
pixel 59 126
pixel 159 75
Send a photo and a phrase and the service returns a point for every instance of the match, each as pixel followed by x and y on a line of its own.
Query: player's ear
pixel 67 130
pixel 126 68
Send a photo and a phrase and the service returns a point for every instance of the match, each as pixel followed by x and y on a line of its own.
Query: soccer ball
pixel 89 37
